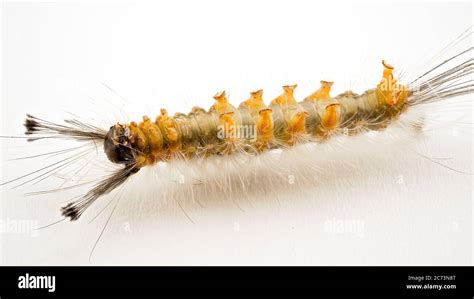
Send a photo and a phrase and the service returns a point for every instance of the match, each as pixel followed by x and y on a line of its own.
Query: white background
pixel 177 54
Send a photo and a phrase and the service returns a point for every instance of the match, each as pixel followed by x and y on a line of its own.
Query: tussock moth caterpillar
pixel 283 124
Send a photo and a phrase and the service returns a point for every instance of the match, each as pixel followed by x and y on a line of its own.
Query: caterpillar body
pixel 285 122
pixel 252 128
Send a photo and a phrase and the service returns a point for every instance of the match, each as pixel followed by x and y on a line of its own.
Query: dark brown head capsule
pixel 117 145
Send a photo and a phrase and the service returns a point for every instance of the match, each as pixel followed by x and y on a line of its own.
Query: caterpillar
pixel 253 128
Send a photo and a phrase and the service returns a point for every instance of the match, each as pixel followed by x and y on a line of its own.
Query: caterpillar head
pixel 117 145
